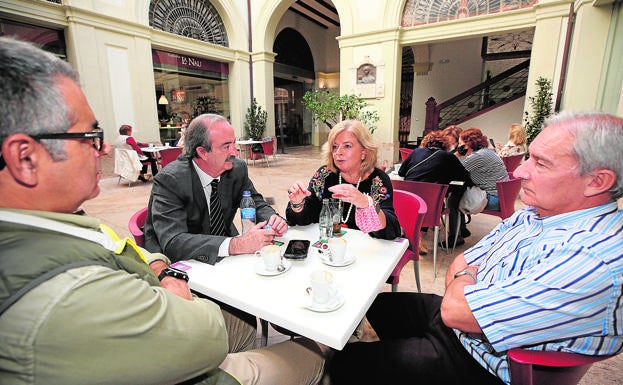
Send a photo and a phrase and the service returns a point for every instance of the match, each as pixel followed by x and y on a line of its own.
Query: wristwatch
pixel 466 272
pixel 172 272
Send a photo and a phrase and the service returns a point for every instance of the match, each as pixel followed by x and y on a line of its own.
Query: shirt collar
pixel 566 217
pixel 203 176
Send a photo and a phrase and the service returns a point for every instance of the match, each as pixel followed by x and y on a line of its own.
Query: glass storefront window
pixel 187 87
pixel 50 40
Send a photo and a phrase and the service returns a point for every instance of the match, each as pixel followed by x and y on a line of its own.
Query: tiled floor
pixel 118 201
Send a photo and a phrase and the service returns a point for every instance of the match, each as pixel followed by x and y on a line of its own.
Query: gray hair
pixel 32 103
pixel 198 134
pixel 598 140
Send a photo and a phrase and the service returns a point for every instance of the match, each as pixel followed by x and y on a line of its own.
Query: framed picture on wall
pixel 178 96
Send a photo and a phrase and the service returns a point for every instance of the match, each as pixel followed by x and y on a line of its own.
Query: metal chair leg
pixel 416 271
pixel 435 242
pixel 264 326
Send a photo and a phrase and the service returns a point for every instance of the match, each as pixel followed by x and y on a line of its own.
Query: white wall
pixel 496 124
pixel 456 66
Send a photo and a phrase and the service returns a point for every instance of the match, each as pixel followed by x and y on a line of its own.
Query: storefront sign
pixel 189 64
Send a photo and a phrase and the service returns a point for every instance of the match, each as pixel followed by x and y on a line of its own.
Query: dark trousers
pixel 453 204
pixel 415 347
pixel 154 166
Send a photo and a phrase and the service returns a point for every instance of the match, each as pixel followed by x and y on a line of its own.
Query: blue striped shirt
pixel 553 283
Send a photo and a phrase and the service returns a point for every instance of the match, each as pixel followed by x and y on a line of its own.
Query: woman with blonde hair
pixel 516 142
pixel 349 174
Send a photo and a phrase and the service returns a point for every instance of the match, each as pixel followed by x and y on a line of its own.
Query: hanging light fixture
pixel 163 100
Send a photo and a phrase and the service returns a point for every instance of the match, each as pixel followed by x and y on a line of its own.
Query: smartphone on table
pixel 297 249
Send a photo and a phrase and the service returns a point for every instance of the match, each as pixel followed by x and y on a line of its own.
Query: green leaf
pixel 330 108
pixel 255 121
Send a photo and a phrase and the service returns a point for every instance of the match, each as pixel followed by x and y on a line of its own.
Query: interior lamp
pixel 163 100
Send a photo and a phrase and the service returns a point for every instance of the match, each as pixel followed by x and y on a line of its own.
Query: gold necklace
pixel 351 205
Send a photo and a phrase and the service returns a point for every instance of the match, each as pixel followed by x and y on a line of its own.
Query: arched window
pixel 418 12
pixel 197 19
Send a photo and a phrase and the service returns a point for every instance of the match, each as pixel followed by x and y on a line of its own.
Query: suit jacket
pixel 178 220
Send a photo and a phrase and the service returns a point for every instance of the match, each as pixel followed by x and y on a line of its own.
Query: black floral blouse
pixel 377 185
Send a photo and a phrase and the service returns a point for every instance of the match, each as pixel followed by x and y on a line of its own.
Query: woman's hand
pixel 348 193
pixel 297 192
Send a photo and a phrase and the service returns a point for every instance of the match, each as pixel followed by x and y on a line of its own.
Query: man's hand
pixel 253 240
pixel 177 286
pixel 157 266
pixel 278 224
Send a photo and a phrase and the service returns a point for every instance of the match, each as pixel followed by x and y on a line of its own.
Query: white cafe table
pixel 282 299
pixel 154 149
pixel 245 147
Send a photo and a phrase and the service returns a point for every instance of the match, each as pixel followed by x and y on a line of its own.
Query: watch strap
pixel 172 272
pixel 466 272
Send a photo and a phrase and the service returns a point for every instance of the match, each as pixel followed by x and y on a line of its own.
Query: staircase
pixel 494 92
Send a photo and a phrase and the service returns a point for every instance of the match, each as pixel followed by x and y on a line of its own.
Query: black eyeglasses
pixel 97 137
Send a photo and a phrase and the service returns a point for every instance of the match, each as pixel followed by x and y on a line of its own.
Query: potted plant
pixel 541 108
pixel 330 108
pixel 255 121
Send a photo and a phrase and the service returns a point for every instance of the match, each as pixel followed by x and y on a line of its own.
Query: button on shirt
pixel 223 250
pixel 558 278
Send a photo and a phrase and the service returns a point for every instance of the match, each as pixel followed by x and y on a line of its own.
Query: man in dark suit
pixel 178 222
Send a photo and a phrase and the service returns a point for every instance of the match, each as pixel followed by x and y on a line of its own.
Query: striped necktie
pixel 217 223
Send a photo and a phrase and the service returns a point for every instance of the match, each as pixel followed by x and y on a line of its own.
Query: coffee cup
pixel 337 247
pixel 271 255
pixel 322 288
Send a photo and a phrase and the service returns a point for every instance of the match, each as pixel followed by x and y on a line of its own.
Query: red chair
pixel 136 224
pixel 168 155
pixel 434 195
pixel 536 367
pixel 407 205
pixel 267 148
pixel 512 162
pixel 404 153
pixel 508 191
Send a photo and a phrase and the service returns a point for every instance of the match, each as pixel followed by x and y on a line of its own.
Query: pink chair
pixel 512 162
pixel 434 195
pixel 136 224
pixel 536 367
pixel 407 205
pixel 404 153
pixel 508 191
pixel 168 155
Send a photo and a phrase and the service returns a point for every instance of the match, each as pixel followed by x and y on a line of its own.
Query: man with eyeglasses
pixel 77 304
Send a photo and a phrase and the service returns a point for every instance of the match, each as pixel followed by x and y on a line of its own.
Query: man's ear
pixel 20 153
pixel 599 181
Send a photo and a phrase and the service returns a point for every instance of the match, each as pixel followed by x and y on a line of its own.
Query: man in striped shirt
pixel 550 277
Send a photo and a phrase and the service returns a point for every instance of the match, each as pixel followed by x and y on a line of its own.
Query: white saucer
pixel 345 262
pixel 261 269
pixel 331 305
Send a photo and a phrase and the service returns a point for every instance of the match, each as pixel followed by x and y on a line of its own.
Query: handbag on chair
pixel 473 201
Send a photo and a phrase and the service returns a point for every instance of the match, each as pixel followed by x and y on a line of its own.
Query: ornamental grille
pixel 196 19
pixel 417 12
